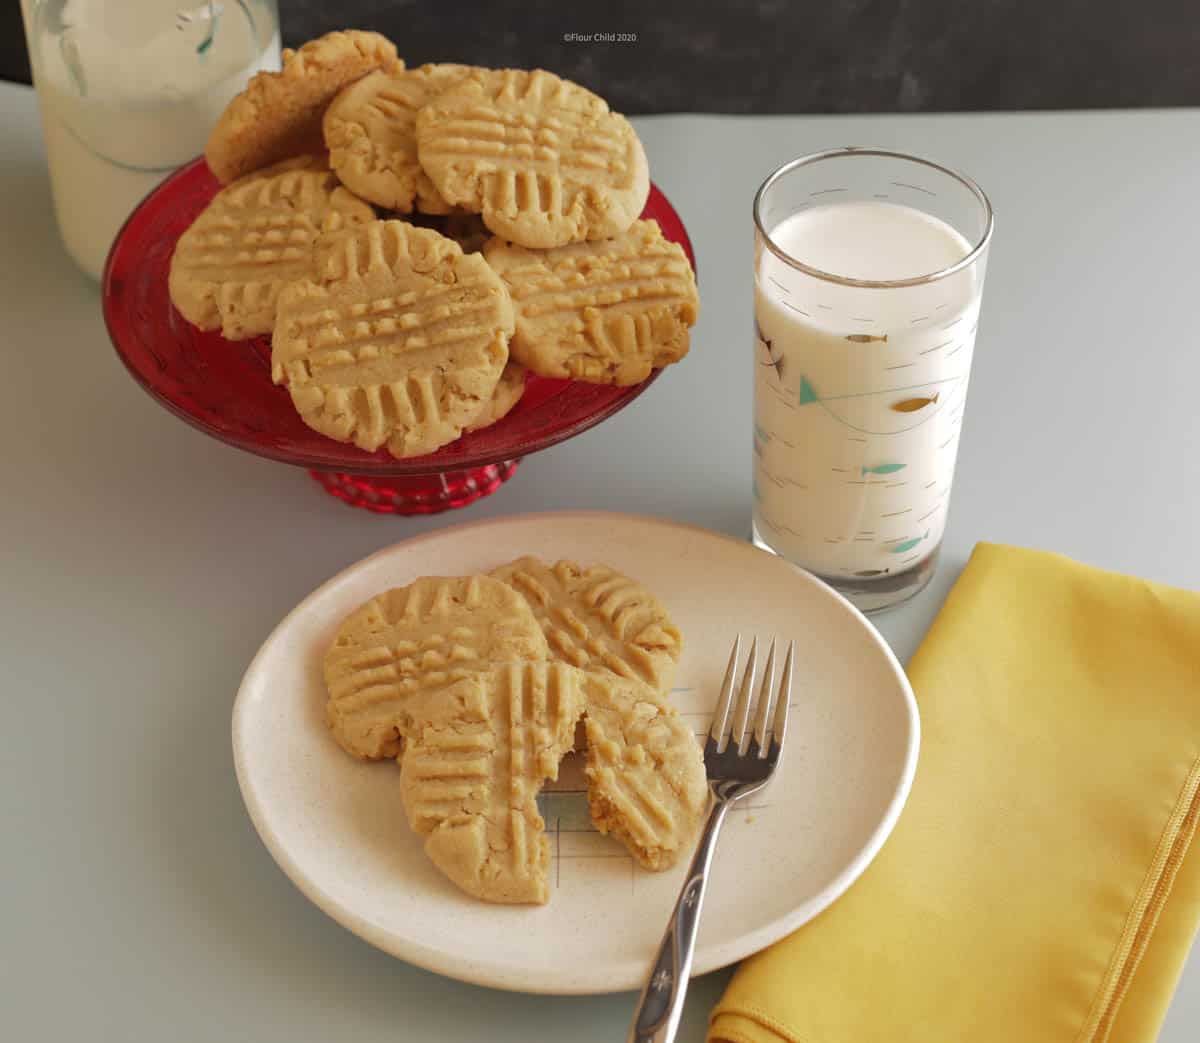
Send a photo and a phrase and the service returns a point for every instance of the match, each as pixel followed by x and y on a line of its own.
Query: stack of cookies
pixel 416 240
pixel 476 686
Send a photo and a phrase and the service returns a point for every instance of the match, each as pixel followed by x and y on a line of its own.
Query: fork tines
pixel 769 707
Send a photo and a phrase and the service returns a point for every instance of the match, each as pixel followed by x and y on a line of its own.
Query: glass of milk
pixel 129 90
pixel 868 275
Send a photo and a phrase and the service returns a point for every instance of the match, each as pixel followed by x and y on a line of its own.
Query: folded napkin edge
pixel 1129 984
pixel 751 1013
pixel 1173 845
pixel 1170 852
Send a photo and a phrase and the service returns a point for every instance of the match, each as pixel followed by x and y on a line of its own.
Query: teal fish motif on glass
pixel 807 392
pixel 883 469
pixel 900 548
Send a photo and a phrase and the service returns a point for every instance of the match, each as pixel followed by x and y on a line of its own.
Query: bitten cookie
pixel 646 782
pixel 607 312
pixel 254 238
pixel 475 757
pixel 542 159
pixel 398 342
pixel 371 133
pixel 279 113
pixel 415 640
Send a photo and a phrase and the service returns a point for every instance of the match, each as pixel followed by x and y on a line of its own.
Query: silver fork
pixel 737 765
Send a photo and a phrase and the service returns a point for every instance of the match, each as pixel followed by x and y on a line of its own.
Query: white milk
pixel 859 393
pixel 129 90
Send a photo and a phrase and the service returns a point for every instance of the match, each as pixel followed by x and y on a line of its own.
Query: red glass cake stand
pixel 224 388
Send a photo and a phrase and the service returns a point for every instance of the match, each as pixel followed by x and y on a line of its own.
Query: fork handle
pixel 656 1018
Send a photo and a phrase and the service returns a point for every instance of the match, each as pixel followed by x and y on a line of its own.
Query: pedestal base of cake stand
pixel 418 493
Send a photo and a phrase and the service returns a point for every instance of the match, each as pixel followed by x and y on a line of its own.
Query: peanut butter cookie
pixel 596 619
pixel 255 237
pixel 279 113
pixel 400 341
pixel 371 133
pixel 414 640
pixel 542 159
pixel 606 312
pixel 476 756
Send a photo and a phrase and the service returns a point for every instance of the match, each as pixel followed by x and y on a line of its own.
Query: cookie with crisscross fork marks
pixel 542 159
pixel 371 133
pixel 399 342
pixel 596 619
pixel 254 238
pixel 476 755
pixel 606 312
pixel 414 640
pixel 646 782
pixel 278 114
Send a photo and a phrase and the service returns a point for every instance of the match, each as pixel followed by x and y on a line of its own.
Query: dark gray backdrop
pixel 799 56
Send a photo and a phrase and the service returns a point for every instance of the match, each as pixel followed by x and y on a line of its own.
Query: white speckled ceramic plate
pixel 337 828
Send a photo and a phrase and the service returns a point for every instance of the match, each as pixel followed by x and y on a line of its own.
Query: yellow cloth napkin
pixel 1037 888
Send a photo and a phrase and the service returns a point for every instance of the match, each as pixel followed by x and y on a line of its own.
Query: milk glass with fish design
pixel 868 277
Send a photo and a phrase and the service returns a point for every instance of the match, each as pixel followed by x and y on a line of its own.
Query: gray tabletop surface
pixel 143 563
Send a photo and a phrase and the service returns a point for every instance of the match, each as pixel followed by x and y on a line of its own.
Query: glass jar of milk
pixel 129 90
pixel 868 275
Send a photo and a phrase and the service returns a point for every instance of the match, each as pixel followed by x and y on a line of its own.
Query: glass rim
pixel 971 257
